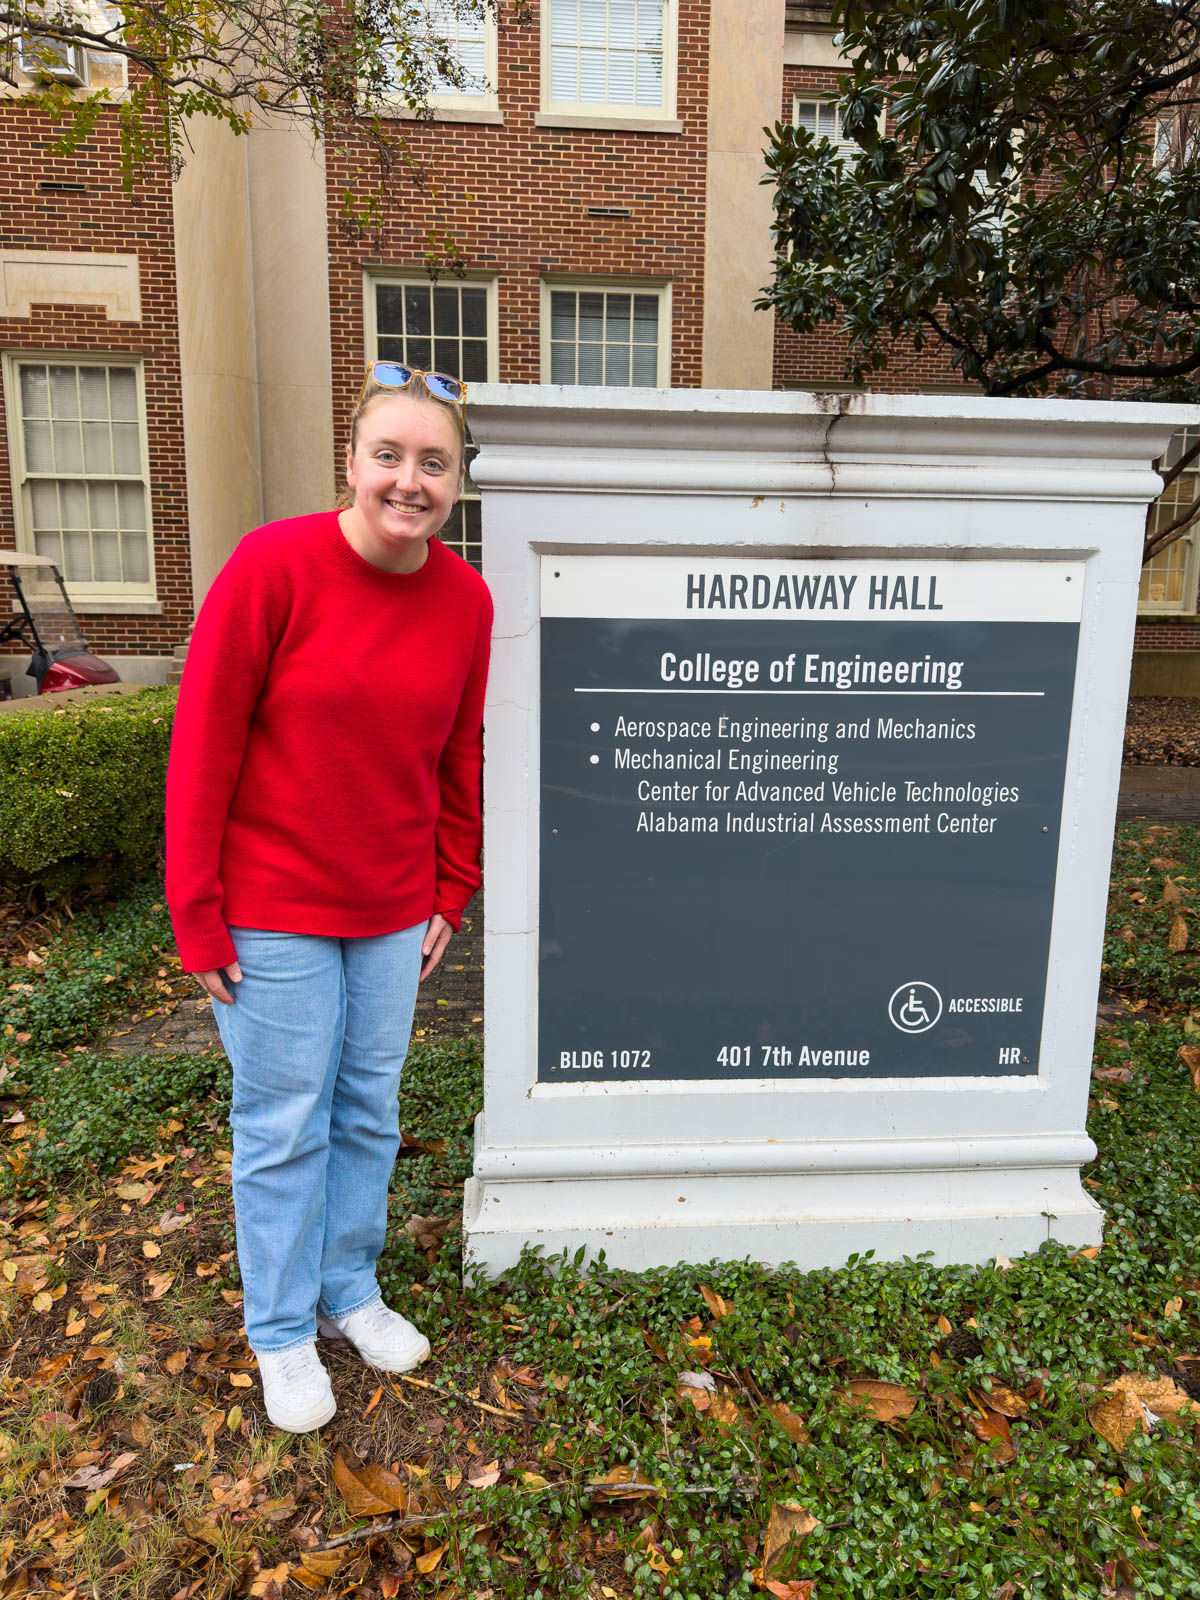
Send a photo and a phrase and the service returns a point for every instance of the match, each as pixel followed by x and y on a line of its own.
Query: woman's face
pixel 406 474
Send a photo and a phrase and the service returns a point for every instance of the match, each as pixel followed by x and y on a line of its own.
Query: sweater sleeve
pixel 226 666
pixel 459 832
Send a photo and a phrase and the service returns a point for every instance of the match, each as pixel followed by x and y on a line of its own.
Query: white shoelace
pixel 298 1365
pixel 379 1316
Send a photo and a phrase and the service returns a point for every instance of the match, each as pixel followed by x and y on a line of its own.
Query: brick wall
pixel 103 218
pixel 515 198
pixel 1164 635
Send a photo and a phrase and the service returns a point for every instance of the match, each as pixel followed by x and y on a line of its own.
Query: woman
pixel 323 831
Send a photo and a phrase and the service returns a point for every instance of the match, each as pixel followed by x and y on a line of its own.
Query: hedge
pixel 81 788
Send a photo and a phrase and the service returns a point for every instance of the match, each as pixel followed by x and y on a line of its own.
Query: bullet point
pixel 595 727
pixel 595 760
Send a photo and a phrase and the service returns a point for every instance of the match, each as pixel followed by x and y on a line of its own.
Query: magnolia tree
pixel 1018 183
pixel 352 63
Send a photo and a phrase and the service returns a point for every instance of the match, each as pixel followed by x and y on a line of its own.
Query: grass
pixel 549 1448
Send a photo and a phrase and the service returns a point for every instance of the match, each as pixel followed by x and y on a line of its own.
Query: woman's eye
pixel 434 465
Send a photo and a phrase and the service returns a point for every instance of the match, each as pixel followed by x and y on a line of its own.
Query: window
pixel 1176 139
pixel 42 60
pixel 823 119
pixel 81 476
pixel 612 336
pixel 441 327
pixel 609 56
pixel 466 38
pixel 1168 582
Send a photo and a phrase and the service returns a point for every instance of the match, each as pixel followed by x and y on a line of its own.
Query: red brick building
pixel 178 364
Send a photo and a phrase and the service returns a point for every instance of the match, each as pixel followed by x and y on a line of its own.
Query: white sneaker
pixel 382 1338
pixel 296 1388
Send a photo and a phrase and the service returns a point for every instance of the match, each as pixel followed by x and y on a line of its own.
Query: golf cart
pixel 47 626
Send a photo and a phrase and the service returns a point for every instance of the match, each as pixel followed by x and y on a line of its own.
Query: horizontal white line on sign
pixel 844 694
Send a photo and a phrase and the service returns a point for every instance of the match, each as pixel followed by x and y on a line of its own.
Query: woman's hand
pixel 212 982
pixel 437 936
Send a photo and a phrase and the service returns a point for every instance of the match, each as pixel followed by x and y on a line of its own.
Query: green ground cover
pixel 885 1430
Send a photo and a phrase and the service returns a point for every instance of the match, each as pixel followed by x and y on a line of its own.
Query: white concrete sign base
pixel 667 1078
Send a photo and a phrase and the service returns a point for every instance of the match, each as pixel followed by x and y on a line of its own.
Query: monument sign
pixel 802 759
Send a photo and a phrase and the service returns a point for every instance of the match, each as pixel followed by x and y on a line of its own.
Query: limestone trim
pixel 812 49
pixel 745 46
pixel 69 278
pixel 608 122
pixel 488 115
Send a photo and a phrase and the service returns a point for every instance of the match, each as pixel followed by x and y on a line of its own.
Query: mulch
pixel 1162 730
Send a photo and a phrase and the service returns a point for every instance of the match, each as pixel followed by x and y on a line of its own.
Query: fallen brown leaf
pixel 1189 1054
pixel 791 1424
pixel 788 1524
pixel 368 1490
pixel 1000 1398
pixel 91 1477
pixel 317 1567
pixel 429 1561
pixel 992 1428
pixel 724 1410
pixel 887 1402
pixel 428 1232
pixel 1177 939
pixel 1122 1411
pixel 718 1306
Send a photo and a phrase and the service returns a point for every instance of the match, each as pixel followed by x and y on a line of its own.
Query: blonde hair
pixel 415 390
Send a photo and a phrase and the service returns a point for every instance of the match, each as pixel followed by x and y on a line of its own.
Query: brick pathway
pixel 1160 794
pixel 450 1003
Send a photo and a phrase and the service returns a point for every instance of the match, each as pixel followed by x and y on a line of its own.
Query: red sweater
pixel 325 763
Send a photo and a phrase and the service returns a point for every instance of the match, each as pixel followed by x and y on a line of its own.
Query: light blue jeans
pixel 317 1035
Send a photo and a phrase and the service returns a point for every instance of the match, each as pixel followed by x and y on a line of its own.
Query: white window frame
pixel 1189 542
pixel 459 105
pixel 86 596
pixel 593 114
pixel 1176 135
pixel 585 285
pixel 75 70
pixel 846 146
pixel 383 277
pixel 485 100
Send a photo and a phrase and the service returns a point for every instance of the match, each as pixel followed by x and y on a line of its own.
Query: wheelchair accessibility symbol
pixel 915 1007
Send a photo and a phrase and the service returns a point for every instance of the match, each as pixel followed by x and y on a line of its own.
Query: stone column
pixel 745 75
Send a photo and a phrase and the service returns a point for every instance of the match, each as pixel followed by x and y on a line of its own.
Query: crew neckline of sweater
pixel 353 562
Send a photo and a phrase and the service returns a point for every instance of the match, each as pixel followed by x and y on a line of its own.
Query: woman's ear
pixel 349 467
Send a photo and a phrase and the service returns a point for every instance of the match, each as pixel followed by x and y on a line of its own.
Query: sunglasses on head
pixel 396 375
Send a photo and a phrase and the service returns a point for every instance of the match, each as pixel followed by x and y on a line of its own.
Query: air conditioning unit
pixel 47 58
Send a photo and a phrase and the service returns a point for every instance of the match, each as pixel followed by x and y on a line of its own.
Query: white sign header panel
pixel 728 588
